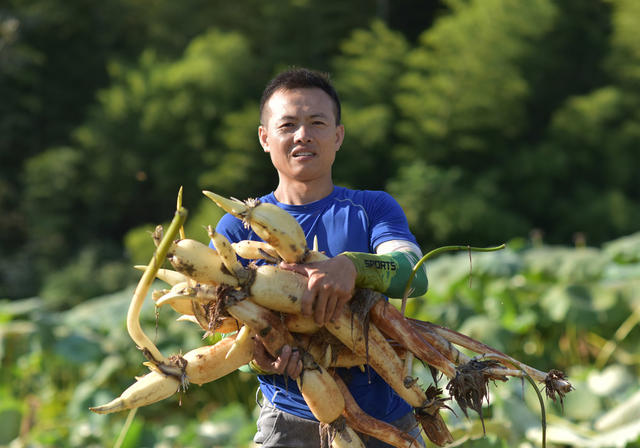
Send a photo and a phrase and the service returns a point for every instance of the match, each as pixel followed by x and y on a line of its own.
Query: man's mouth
pixel 301 153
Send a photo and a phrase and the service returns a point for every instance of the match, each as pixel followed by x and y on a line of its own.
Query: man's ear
pixel 263 138
pixel 339 136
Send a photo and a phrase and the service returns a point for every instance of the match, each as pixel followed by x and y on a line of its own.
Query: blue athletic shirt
pixel 346 220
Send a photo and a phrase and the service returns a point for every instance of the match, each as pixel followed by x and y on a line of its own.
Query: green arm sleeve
pixel 252 368
pixel 388 273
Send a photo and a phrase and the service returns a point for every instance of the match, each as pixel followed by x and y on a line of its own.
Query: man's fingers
pixel 294 366
pixel 288 362
pixel 332 304
pixel 320 306
pixel 300 269
pixel 280 364
pixel 339 306
pixel 308 299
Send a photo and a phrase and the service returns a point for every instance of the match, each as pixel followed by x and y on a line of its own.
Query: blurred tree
pixel 463 98
pixel 367 71
pixel 590 157
pixel 463 104
pixel 589 149
pixel 50 202
pixel 497 108
pixel 42 97
pixel 157 126
pixel 517 99
pixel 443 208
pixel 569 61
pixel 154 129
pixel 52 60
pixel 623 64
pixel 55 55
pixel 240 169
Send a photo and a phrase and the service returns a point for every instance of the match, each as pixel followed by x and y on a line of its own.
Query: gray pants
pixel 278 429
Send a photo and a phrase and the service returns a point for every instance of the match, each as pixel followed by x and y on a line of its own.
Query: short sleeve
pixel 387 220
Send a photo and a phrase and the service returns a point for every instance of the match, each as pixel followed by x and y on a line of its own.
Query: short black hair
pixel 301 78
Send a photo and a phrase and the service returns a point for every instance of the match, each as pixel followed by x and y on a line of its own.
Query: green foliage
pixel 479 112
pixel 367 71
pixel 50 199
pixel 240 168
pixel 166 115
pixel 58 364
pixel 11 412
pixel 503 119
pixel 462 100
pixel 88 275
pixel 139 244
pixel 625 54
pixel 483 98
pixel 463 105
pixel 444 206
pixel 597 127
pixel 153 131
pixel 625 250
pixel 548 306
pixel 551 307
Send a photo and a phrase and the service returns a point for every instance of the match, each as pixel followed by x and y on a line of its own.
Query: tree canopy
pixel 491 120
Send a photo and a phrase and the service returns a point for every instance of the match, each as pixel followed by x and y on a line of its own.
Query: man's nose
pixel 302 134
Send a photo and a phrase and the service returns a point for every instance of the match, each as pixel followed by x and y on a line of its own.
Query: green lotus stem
pixel 125 428
pixel 133 315
pixel 438 251
pixel 543 413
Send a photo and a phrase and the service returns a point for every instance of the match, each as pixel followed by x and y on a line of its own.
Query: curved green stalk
pixel 543 413
pixel 438 251
pixel 133 315
pixel 125 428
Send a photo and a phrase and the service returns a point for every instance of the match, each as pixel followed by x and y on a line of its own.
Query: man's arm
pixel 389 269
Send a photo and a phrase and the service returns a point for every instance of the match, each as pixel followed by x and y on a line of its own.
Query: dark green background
pixel 489 120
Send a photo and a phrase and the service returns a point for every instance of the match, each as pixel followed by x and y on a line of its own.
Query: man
pixel 301 131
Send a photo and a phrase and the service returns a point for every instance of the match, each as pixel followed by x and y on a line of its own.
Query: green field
pixel 575 309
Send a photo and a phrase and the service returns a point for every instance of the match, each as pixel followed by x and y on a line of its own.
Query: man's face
pixel 300 134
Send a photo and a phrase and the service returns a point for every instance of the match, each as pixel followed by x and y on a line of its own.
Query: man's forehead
pixel 313 100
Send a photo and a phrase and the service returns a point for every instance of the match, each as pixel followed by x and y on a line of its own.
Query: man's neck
pixel 300 193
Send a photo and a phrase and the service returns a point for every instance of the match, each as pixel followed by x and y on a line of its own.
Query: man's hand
pixel 330 286
pixel 289 361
